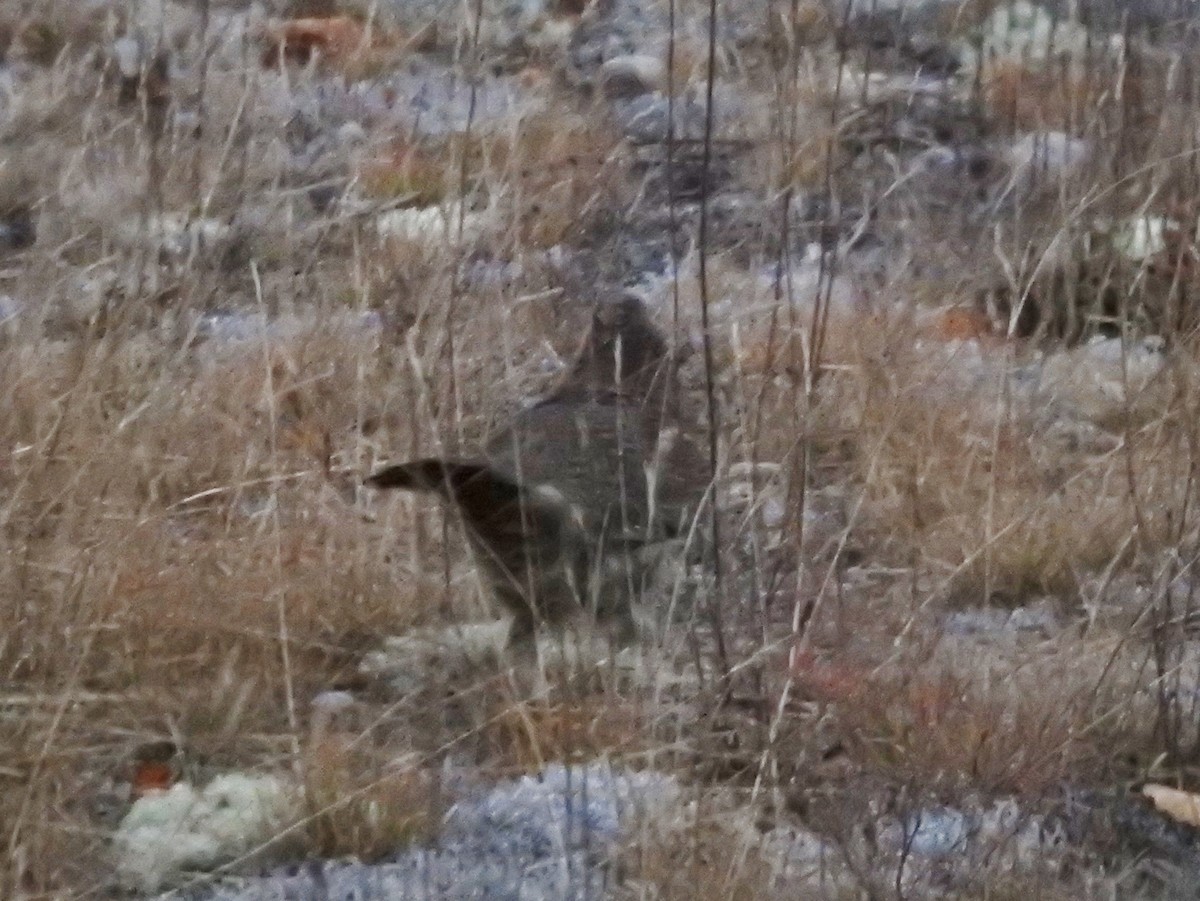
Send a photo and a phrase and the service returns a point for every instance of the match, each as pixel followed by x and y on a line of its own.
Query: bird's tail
pixel 473 485
pixel 429 474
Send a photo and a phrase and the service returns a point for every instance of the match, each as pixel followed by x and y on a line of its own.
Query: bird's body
pixel 564 508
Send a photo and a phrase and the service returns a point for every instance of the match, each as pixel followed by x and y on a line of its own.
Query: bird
pixel 571 505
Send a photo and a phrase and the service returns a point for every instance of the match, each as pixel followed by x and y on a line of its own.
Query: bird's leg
pixel 623 627
pixel 614 585
pixel 522 633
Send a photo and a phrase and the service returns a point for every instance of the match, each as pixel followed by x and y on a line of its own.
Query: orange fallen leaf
pixel 406 170
pixel 962 324
pixel 534 77
pixel 932 703
pixel 150 777
pixel 530 734
pixel 829 680
pixel 1024 96
pixel 298 40
pixel 152 768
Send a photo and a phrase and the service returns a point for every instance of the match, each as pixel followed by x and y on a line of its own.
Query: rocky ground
pixel 932 269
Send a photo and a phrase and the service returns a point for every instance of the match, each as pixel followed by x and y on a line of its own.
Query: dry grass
pixel 186 553
pixel 365 804
pixel 936 720
pixel 703 855
pixel 529 735
pixel 702 866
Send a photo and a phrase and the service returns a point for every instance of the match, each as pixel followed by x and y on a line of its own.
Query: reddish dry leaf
pixel 827 680
pixel 297 40
pixel 153 768
pixel 148 777
pixel 962 324
pixel 1027 97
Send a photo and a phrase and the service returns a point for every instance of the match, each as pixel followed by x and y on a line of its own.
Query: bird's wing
pixel 507 519
pixel 463 481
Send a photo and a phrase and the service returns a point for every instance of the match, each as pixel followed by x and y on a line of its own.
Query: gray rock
pixel 617 28
pixel 997 620
pixel 10 309
pixel 647 119
pixel 326 117
pixel 18 230
pixel 1172 21
pixel 503 23
pixel 1051 154
pixel 865 9
pixel 612 29
pixel 626 77
pixel 127 54
pixel 936 832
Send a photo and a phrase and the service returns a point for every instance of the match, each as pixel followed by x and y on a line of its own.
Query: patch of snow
pixel 1030 34
pixel 545 837
pixel 1102 379
pixel 1050 152
pixel 174 233
pixel 935 832
pixel 236 327
pixel 10 309
pixel 1141 237
pixel 433 225
pixel 1000 832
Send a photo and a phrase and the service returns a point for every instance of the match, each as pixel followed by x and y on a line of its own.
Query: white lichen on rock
pixel 234 818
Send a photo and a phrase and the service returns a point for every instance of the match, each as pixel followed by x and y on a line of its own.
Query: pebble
pixel 611 30
pixel 936 832
pixel 1103 380
pixel 626 77
pixel 434 225
pixel 1000 621
pixel 646 119
pixel 1049 153
pixel 17 230
pixel 236 327
pixel 10 309
pixel 127 53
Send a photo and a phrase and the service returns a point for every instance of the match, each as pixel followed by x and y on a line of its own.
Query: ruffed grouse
pixel 570 504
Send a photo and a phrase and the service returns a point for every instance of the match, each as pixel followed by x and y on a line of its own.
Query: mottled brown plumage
pixel 564 507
